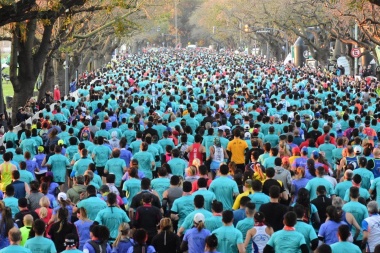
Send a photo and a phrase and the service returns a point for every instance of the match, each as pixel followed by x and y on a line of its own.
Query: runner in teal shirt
pixel 224 188
pixel 112 216
pixel 81 165
pixel 343 246
pixel 287 240
pixel 132 186
pixel 58 164
pixel 247 223
pixel 116 166
pixel 92 203
pixel 39 243
pixel 101 153
pixel 183 205
pixel 162 183
pixel 177 165
pixel 230 239
pixel 145 160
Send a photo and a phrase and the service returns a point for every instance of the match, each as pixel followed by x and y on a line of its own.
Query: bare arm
pixel 241 248
pixel 250 233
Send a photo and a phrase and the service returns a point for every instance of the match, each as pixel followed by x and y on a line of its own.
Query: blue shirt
pixel 40 244
pixel 345 247
pixel 224 189
pixel 83 228
pixel 286 241
pixel 329 231
pixel 196 239
pixel 228 239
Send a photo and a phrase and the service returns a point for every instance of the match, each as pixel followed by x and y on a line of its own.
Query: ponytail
pixel 200 225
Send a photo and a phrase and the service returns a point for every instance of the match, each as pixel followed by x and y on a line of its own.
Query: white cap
pixel 62 195
pixel 247 136
pixel 170 109
pixel 357 149
pixel 199 217
pixel 246 127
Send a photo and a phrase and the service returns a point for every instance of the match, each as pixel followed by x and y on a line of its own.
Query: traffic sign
pixel 355 52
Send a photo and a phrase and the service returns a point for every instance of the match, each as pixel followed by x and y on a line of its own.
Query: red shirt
pixel 321 140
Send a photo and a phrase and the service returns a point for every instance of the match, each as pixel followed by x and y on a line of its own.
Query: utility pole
pixel 356 59
pixel 67 75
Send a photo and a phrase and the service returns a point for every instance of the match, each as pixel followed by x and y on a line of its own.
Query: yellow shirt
pixel 292 158
pixel 237 200
pixel 237 148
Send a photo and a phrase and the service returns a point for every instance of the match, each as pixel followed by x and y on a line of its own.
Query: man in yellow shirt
pixel 247 191
pixel 236 150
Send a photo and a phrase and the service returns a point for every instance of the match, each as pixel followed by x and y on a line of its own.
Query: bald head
pixel 376 152
pixel 348 175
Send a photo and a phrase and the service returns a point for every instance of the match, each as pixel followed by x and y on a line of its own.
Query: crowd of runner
pixel 195 152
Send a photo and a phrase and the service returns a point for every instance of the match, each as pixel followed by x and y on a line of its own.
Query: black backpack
pixel 140 248
pixel 99 247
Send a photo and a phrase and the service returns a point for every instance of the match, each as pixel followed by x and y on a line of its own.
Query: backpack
pixel 182 150
pixel 87 130
pixel 140 248
pixel 99 248
pixel 44 136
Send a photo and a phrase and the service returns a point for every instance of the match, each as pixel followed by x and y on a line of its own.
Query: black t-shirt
pixel 59 237
pixel 147 217
pixel 269 182
pixel 137 200
pixel 321 203
pixel 19 217
pixel 171 245
pixel 274 214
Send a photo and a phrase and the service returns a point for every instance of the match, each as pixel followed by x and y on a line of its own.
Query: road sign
pixel 306 54
pixel 355 52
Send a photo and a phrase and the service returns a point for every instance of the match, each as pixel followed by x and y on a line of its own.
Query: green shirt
pixel 286 241
pixel 116 166
pixel 243 226
pixel 228 239
pixel 160 185
pixel 224 189
pixel 93 206
pixel 101 153
pixel 15 249
pixel 40 244
pixel 112 217
pixel 58 164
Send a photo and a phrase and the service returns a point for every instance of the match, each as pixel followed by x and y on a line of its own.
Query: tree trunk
pixel 59 75
pixel 47 78
pixel 20 97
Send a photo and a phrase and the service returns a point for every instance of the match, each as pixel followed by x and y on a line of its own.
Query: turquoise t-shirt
pixel 145 160
pixel 367 177
pixel 345 247
pixel 71 151
pixel 116 166
pixel 243 226
pixel 160 185
pixel 178 166
pixel 58 164
pixel 207 195
pixel 286 241
pixel 313 184
pixel 101 154
pixel 72 251
pixel 81 165
pixel 14 249
pixel 93 206
pixel 112 217
pixel 189 220
pixel 135 145
pixel 228 238
pixel 376 185
pixel 29 145
pixel 213 222
pixel 40 244
pixel 341 188
pixel 362 193
pixel 359 211
pixel 307 230
pixel 224 189
pixel 26 176
pixel 132 186
pixel 12 203
pixel 259 198
pixel 183 206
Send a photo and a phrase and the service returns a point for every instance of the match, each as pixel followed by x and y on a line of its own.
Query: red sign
pixel 355 52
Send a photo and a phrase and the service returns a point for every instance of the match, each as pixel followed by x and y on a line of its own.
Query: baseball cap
pixel 315 153
pixel 170 109
pixel 296 150
pixel 199 217
pixel 357 150
pixel 40 149
pixel 304 150
pixel 247 135
pixel 246 127
pixel 62 195
pixel 61 142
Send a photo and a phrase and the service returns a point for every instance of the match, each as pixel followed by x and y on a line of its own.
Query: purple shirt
pixel 329 231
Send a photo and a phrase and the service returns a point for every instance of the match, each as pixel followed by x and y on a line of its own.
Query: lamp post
pixel 66 66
